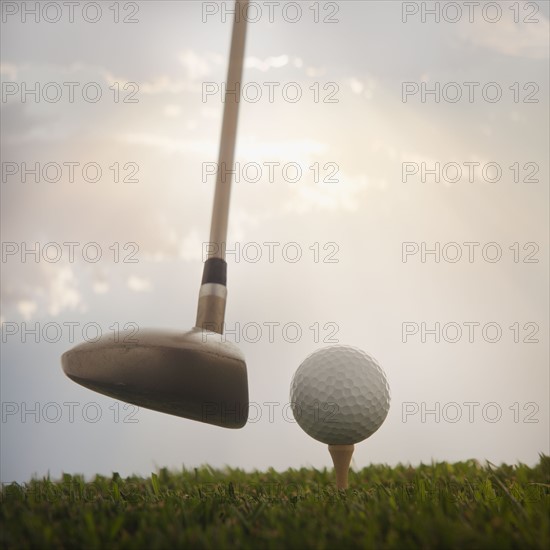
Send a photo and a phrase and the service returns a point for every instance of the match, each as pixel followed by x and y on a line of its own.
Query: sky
pixel 410 224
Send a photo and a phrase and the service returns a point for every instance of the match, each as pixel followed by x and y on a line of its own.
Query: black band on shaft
pixel 215 271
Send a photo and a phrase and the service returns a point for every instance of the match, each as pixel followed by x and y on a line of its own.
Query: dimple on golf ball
pixel 339 395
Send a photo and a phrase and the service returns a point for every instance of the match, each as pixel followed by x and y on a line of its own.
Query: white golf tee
pixel 341 458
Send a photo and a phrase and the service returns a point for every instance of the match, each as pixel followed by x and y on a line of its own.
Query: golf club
pixel 193 374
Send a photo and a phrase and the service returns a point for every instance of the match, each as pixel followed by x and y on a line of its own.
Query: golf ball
pixel 339 395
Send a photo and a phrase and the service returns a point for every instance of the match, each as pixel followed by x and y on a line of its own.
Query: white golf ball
pixel 339 395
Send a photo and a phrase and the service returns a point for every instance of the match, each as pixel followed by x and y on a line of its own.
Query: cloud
pixel 172 111
pixel 315 72
pixel 100 287
pixel 199 66
pixel 266 64
pixel 27 308
pixel 8 71
pixel 528 40
pixel 139 284
pixel 191 246
pixel 300 151
pixel 34 290
pixel 63 292
pixel 343 195
pixel 364 87
pixel 166 84
pixel 171 145
pixel 356 85
pixel 249 148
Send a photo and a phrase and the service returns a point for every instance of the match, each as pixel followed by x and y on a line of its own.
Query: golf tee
pixel 341 458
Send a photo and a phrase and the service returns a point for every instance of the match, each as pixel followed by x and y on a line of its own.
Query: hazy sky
pixel 153 125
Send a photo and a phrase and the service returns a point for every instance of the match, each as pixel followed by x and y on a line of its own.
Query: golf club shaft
pixel 213 293
pixel 220 212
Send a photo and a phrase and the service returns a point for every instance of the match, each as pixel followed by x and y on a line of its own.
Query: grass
pixel 442 505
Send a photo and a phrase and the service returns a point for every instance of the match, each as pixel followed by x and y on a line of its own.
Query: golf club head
pixel 193 374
